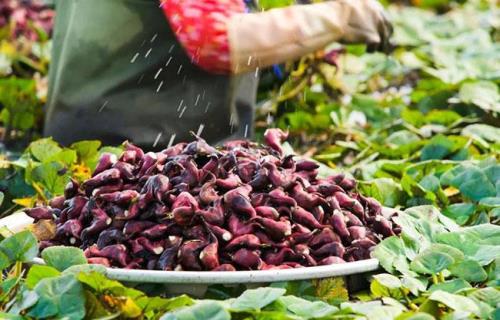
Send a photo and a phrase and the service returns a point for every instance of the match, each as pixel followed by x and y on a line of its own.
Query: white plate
pixel 239 277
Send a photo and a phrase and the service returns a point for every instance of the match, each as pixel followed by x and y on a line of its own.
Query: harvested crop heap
pixel 195 207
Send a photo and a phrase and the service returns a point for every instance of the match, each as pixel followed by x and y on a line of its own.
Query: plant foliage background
pixel 418 128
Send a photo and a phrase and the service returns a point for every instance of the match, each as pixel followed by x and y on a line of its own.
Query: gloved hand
pixel 265 38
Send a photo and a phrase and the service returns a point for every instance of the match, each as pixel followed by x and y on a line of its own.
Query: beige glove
pixel 262 39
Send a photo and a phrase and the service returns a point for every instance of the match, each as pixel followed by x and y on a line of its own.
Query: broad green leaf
pixel 490 202
pixel 39 272
pixel 481 93
pixel 451 286
pixel 23 301
pixel 460 212
pixel 59 297
pixel 415 316
pixel 388 280
pixel 413 284
pixel 44 148
pixel 86 150
pixel 488 295
pixel 21 246
pixel 385 190
pixel 482 131
pixel 438 148
pixel 52 176
pixel 431 262
pixel 455 302
pixel 256 299
pixel 61 257
pixel 389 251
pixel 469 270
pixel 65 156
pixel 209 310
pixel 307 309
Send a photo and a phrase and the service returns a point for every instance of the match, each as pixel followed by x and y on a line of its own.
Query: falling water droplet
pixel 203 95
pixel 197 100
pixel 159 87
pixel 134 57
pixel 158 73
pixel 148 53
pixel 246 131
pixel 103 106
pixel 168 62
pixel 171 48
pixel 269 119
pixel 200 130
pixel 182 112
pixel 208 106
pixel 249 60
pixel 171 142
pixel 157 139
pixel 180 105
pixel 256 72
pixel 153 38
pixel 180 69
pixel 140 79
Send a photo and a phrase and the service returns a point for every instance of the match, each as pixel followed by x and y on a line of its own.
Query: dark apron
pixel 118 73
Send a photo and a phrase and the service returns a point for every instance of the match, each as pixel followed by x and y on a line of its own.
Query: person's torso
pixel 119 73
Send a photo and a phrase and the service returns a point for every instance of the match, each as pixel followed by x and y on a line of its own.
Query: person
pixel 151 72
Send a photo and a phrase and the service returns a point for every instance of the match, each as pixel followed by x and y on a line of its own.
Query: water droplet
pixel 200 130
pixel 203 95
pixel 148 53
pixel 157 139
pixel 180 105
pixel 246 130
pixel 197 100
pixel 153 38
pixel 158 73
pixel 171 142
pixel 180 69
pixel 168 62
pixel 249 60
pixel 103 106
pixel 159 86
pixel 256 72
pixel 171 48
pixel 140 79
pixel 208 106
pixel 134 57
pixel 182 112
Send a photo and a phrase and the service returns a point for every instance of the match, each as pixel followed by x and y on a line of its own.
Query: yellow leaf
pixel 81 172
pixel 331 288
pixel 450 191
pixel 24 202
pixel 44 229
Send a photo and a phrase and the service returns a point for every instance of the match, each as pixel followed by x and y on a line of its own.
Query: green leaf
pixel 389 251
pixel 451 286
pixel 460 212
pixel 481 93
pixel 209 310
pixel 23 301
pixel 482 132
pixel 61 257
pixel 59 297
pixel 256 299
pixel 87 150
pixel 52 176
pixel 488 295
pixel 415 316
pixel 66 157
pixel 431 262
pixel 307 309
pixel 385 190
pixel 388 280
pixel 39 272
pixel 455 302
pixel 21 246
pixel 44 148
pixel 438 148
pixel 469 270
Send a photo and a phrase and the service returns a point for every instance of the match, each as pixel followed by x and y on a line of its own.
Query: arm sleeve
pixel 201 26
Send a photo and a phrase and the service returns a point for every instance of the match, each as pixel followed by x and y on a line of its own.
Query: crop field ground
pixel 416 129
